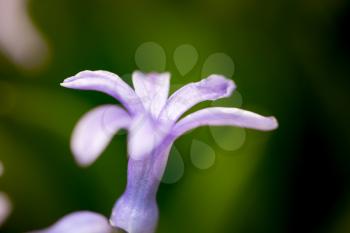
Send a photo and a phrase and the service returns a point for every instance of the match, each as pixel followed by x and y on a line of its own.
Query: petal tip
pixel 137 72
pixel 274 123
pixel 82 160
pixel 68 82
pixel 231 86
pixel 69 79
pixel 83 157
pixel 81 74
pixel 220 82
pixel 64 84
pixel 271 123
pixel 83 164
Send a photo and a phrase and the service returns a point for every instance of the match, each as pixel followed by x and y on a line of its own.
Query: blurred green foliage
pixel 288 62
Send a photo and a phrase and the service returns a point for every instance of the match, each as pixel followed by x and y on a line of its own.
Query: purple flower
pixel 5 207
pixel 80 222
pixel 153 122
pixel 5 204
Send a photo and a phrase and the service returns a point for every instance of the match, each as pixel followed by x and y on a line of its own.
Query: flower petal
pixel 19 38
pixel 108 83
pixel 211 88
pixel 145 135
pixel 5 207
pixel 80 222
pixel 95 130
pixel 152 89
pixel 224 116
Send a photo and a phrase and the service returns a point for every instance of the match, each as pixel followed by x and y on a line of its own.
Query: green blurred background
pixel 291 60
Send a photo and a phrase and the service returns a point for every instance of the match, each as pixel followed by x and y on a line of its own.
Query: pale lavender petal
pixel 107 83
pixel 5 207
pixel 224 116
pixel 80 222
pixel 211 88
pixel 152 89
pixel 145 134
pixel 95 130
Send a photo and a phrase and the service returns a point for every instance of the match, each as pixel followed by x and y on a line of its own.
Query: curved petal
pixel 108 83
pixel 224 116
pixel 145 135
pixel 80 222
pixel 211 88
pixel 95 130
pixel 152 89
pixel 5 207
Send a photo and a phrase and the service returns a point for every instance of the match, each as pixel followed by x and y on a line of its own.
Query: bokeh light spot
pixel 228 138
pixel 202 155
pixel 185 58
pixel 150 56
pixel 218 63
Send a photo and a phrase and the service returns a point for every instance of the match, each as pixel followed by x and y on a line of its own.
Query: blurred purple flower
pixel 152 120
pixel 80 222
pixel 5 207
pixel 5 204
pixel 19 39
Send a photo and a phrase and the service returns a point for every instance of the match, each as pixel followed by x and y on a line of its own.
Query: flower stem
pixel 136 211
